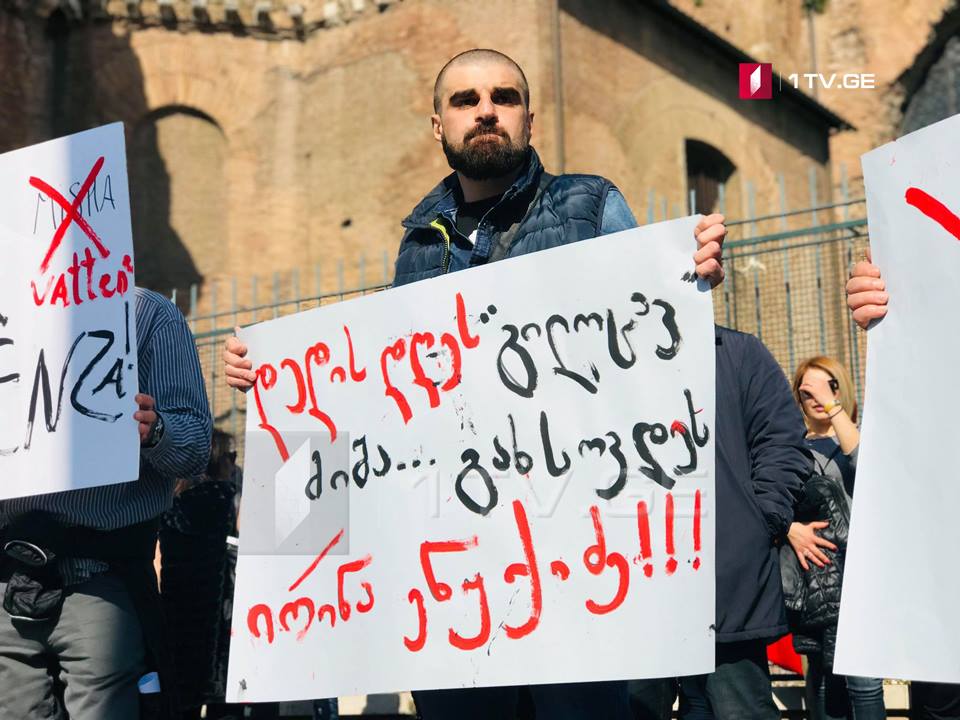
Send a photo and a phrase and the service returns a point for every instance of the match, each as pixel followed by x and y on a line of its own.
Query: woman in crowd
pixel 824 391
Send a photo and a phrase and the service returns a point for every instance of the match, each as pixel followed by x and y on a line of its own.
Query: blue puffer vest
pixel 570 208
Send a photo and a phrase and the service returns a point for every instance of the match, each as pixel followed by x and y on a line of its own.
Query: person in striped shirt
pixel 78 633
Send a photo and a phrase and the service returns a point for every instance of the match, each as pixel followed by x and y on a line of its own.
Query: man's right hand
pixel 866 293
pixel 237 369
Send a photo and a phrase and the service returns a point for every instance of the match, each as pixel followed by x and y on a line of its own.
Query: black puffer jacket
pixel 813 597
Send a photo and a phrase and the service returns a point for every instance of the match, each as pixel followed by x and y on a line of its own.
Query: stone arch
pixel 178 195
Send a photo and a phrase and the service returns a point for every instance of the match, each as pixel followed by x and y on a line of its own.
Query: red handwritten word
pixel 399 349
pixel 934 209
pixel 306 378
pixel 315 356
pixel 262 614
pixel 83 268
pixel 442 592
pixel 72 214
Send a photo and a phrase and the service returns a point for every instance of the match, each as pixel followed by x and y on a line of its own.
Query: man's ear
pixel 530 122
pixel 437 127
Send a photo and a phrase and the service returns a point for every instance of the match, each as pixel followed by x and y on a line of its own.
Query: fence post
pixel 751 214
pixel 213 348
pixel 193 308
pixel 295 281
pixel 852 326
pixel 722 201
pixel 253 297
pixel 276 295
pixel 814 222
pixel 233 395
pixel 781 182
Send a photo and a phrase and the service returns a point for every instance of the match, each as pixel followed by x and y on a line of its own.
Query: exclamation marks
pixel 643 528
pixel 696 530
pixel 671 560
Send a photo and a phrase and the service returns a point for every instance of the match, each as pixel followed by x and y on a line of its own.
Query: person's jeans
pixel 835 697
pixel 563 701
pixel 739 688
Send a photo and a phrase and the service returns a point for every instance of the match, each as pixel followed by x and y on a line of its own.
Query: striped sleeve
pixel 174 379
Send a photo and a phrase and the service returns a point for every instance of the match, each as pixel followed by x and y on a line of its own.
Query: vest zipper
pixel 437 225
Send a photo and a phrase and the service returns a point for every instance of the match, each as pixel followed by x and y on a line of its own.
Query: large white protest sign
pixel 68 350
pixel 495 477
pixel 898 616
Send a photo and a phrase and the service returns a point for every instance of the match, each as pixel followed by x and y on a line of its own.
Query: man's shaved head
pixel 477 56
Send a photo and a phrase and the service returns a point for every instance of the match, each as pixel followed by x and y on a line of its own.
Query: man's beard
pixel 488 159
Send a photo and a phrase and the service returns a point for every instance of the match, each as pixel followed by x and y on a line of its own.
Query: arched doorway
pixel 709 175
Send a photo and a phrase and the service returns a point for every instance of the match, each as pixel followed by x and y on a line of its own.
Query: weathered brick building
pixel 265 136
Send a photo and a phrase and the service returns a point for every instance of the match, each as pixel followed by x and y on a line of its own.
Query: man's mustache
pixel 486 130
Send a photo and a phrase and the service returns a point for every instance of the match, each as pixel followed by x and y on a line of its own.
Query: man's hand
pixel 866 293
pixel 146 416
pixel 806 543
pixel 237 369
pixel 710 234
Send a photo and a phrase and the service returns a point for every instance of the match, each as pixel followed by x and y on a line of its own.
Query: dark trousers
pixel 563 701
pixel 739 688
pixel 934 701
pixel 94 647
pixel 652 699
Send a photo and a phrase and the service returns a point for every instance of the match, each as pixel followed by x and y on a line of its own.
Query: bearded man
pixel 499 201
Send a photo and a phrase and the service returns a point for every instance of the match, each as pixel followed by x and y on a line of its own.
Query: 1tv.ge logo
pixel 756 81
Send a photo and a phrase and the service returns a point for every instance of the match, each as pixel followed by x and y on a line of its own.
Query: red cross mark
pixel 72 213
pixel 935 210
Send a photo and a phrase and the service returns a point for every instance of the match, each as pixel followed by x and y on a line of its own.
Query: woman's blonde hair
pixel 836 370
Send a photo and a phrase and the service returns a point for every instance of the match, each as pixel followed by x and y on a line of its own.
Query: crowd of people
pixel 786 457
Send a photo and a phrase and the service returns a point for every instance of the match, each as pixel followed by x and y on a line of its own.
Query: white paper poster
pixel 898 616
pixel 496 477
pixel 68 348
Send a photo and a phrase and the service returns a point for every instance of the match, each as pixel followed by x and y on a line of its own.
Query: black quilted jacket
pixel 813 597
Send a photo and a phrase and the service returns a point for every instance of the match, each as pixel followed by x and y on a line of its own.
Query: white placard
pixel 898 615
pixel 68 347
pixel 520 489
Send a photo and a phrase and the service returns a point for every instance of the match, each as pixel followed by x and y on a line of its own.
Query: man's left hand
pixel 146 416
pixel 710 234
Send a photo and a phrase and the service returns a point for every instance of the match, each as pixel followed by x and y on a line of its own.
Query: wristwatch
pixel 156 433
